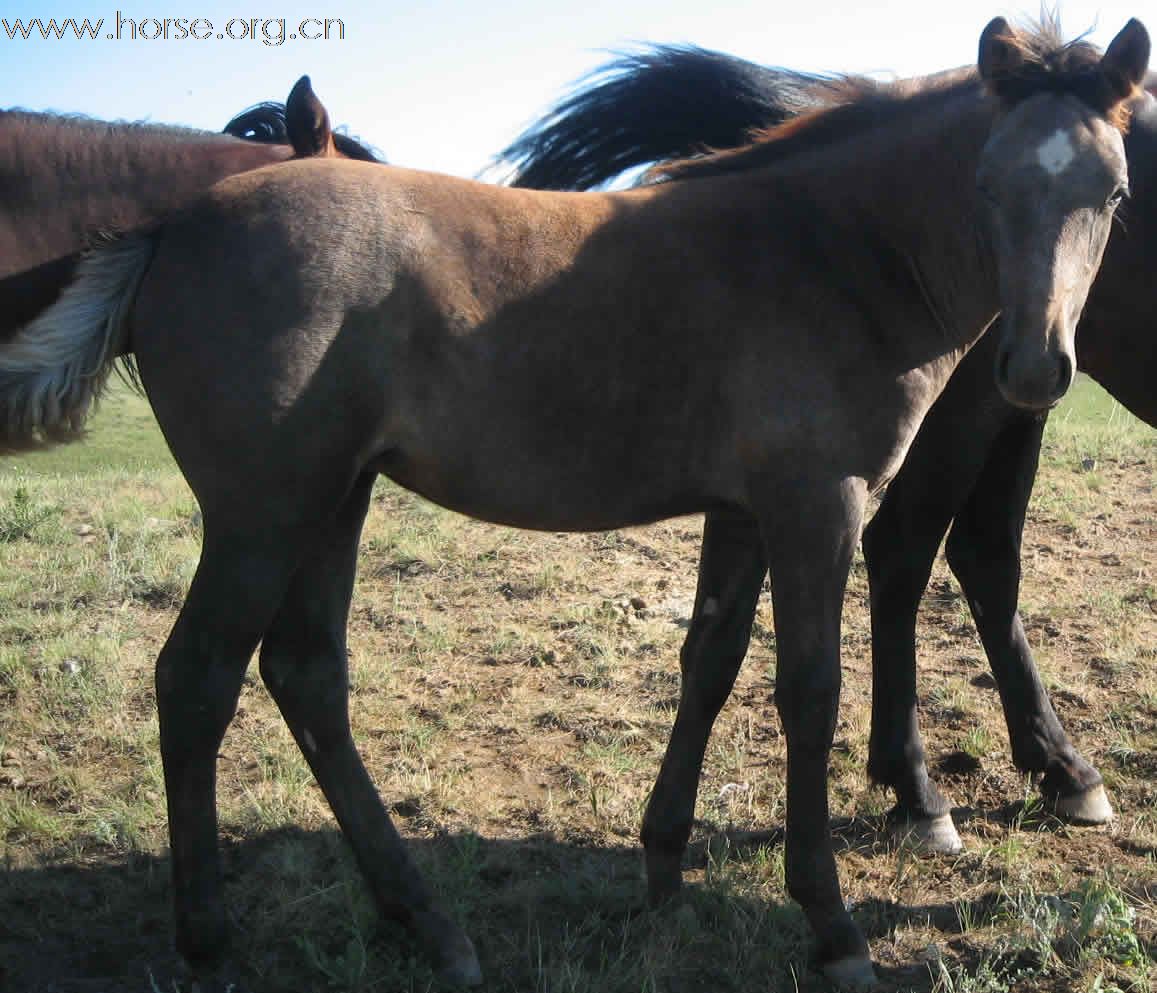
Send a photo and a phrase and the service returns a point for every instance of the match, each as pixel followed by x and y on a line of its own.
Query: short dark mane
pixel 854 104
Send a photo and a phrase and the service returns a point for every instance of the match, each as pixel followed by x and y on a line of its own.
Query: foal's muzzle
pixel 1033 381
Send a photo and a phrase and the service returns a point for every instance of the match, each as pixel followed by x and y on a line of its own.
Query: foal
pixel 757 338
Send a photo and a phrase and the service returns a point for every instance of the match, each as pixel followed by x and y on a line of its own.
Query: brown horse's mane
pixel 79 125
pixel 854 104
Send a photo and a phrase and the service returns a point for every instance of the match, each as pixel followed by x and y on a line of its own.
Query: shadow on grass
pixel 547 914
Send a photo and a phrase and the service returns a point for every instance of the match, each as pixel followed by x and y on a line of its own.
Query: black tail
pixel 668 101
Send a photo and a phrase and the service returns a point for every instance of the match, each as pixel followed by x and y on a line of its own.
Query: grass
pixel 512 694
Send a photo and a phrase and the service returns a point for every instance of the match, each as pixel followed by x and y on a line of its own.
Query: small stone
pixel 10 760
pixel 638 603
pixel 11 779
pixel 1088 465
pixel 71 667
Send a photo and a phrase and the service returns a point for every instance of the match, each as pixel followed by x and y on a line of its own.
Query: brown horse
pixel 719 342
pixel 972 464
pixel 65 179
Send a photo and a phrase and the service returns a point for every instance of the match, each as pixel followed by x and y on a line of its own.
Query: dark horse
pixel 974 460
pixel 725 341
pixel 65 179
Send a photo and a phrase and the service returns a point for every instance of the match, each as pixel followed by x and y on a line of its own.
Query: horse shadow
pixel 541 909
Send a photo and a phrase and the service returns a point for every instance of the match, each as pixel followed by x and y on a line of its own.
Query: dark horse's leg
pixel 984 552
pixel 972 450
pixel 810 534
pixel 304 664
pixel 731 571
pixel 900 546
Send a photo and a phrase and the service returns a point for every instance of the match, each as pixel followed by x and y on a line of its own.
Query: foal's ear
pixel 1127 59
pixel 1001 54
pixel 307 123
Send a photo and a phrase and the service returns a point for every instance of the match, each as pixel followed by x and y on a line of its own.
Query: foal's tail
pixel 55 368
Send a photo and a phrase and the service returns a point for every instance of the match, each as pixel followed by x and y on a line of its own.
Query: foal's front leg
pixel 810 534
pixel 731 572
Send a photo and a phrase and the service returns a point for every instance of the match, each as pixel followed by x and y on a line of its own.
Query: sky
pixel 443 85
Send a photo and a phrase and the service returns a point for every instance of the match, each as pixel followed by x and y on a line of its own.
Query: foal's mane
pixel 854 104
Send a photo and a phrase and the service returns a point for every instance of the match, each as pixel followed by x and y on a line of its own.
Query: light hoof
pixel 934 835
pixel 1090 807
pixel 854 972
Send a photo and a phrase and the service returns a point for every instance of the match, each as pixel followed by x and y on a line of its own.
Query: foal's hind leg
pixel 303 662
pixel 984 552
pixel 731 571
pixel 239 582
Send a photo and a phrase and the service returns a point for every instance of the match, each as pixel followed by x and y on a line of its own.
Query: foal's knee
pixel 710 659
pixel 808 702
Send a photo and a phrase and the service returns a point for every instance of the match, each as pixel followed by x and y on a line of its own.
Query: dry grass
pixel 512 697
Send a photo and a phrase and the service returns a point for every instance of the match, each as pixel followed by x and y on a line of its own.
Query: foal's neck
pixel 911 185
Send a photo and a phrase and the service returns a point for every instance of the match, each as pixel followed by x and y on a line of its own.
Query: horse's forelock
pixel 1048 64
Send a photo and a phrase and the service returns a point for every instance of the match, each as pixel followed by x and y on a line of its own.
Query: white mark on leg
pixel 1056 154
pixel 309 742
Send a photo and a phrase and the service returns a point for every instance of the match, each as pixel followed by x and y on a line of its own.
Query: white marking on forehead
pixel 1056 153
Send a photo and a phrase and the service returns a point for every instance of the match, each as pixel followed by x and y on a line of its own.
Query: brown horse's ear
pixel 307 123
pixel 1001 54
pixel 1127 59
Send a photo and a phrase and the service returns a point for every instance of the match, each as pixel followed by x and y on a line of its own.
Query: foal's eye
pixel 1119 194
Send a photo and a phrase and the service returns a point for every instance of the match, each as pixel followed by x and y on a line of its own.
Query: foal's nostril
pixel 1064 374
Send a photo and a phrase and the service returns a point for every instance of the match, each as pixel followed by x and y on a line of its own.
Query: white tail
pixel 56 366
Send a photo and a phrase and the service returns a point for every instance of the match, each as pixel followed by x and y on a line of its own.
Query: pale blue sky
pixel 444 84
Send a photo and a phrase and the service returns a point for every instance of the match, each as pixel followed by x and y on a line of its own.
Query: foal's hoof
pixel 1090 807
pixel 664 877
pixel 935 835
pixel 853 972
pixel 455 960
pixel 463 969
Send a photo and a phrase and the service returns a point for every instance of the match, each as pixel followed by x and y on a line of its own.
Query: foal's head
pixel 1050 177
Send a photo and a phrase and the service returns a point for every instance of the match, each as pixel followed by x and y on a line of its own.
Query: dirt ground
pixel 512 696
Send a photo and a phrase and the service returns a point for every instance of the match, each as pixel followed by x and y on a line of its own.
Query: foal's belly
pixel 518 490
